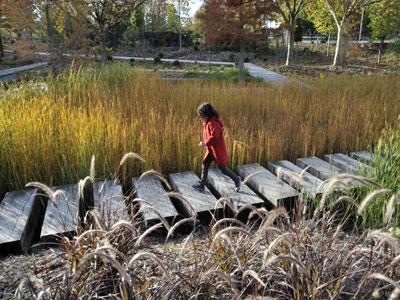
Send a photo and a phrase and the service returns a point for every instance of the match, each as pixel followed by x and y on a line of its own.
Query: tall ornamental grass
pixel 49 136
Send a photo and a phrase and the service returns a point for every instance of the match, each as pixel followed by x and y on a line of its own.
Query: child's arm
pixel 214 132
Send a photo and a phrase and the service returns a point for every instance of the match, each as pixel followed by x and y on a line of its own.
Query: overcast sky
pixel 194 6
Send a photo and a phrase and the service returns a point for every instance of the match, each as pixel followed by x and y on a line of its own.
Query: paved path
pixel 10 74
pixel 265 75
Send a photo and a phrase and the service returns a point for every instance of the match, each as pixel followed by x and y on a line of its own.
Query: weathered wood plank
pixel 225 187
pixel 63 216
pixel 150 189
pixel 346 163
pixel 14 212
pixel 273 189
pixel 290 173
pixel 318 167
pixel 363 156
pixel 110 201
pixel 202 202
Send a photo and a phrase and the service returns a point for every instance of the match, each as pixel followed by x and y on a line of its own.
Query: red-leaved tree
pixel 236 21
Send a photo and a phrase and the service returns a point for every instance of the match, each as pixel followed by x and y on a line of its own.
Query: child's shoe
pixel 198 186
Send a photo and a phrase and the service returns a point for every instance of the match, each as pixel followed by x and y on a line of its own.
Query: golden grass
pixel 50 137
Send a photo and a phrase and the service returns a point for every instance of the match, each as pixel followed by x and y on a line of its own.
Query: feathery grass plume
pixel 382 277
pixel 303 171
pixel 44 294
pixel 151 256
pixel 274 259
pixel 252 209
pixel 385 237
pixel 114 251
pixel 130 155
pixel 52 195
pixel 281 238
pixel 178 224
pixel 395 294
pixel 251 175
pixel 279 173
pixel 225 201
pixel 122 223
pixel 253 274
pixel 180 197
pixel 370 197
pixel 109 259
pixel 85 233
pixel 395 260
pixel 82 183
pixel 390 208
pixel 147 232
pixel 228 230
pixel 295 178
pixel 158 175
pixel 270 219
pixel 93 169
pixel 226 220
pixel 98 222
pixel 147 207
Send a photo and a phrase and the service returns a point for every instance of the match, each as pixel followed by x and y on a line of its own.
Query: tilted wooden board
pixel 14 212
pixel 318 167
pixel 363 156
pixel 150 189
pixel 267 184
pixel 290 173
pixel 201 201
pixel 226 188
pixel 346 163
pixel 63 216
pixel 110 201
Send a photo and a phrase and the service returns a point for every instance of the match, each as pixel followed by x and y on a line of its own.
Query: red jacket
pixel 213 137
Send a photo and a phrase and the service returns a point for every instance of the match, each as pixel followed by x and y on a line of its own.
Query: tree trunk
pixel 380 50
pixel 180 25
pixel 328 50
pixel 340 44
pixel 103 46
pixel 241 61
pixel 290 45
pixel 50 38
pixel 361 24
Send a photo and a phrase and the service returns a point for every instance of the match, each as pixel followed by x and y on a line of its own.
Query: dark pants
pixel 224 169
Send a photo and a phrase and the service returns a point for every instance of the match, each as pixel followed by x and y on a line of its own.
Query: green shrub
pixel 177 63
pixel 157 60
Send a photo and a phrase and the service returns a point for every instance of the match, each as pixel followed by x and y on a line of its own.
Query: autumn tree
pixel 341 11
pixel 236 21
pixel 289 11
pixel 322 20
pixel 384 20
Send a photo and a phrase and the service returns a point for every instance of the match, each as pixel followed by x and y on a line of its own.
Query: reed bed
pixel 50 136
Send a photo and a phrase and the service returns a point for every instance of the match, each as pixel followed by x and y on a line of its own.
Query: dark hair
pixel 207 111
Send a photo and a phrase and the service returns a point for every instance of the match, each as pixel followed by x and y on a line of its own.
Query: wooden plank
pixel 318 167
pixel 346 163
pixel 150 189
pixel 273 189
pixel 110 201
pixel 226 188
pixel 289 172
pixel 201 201
pixel 363 156
pixel 14 212
pixel 63 216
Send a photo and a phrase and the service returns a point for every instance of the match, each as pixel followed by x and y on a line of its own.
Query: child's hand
pixel 201 144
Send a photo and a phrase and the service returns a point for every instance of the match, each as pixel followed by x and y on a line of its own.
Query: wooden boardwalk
pixel 27 217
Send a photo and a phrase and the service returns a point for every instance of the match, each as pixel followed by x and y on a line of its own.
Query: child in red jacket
pixel 213 141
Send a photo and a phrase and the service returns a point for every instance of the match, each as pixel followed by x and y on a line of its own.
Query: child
pixel 213 141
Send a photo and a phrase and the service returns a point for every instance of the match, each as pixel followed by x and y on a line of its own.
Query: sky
pixel 194 6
